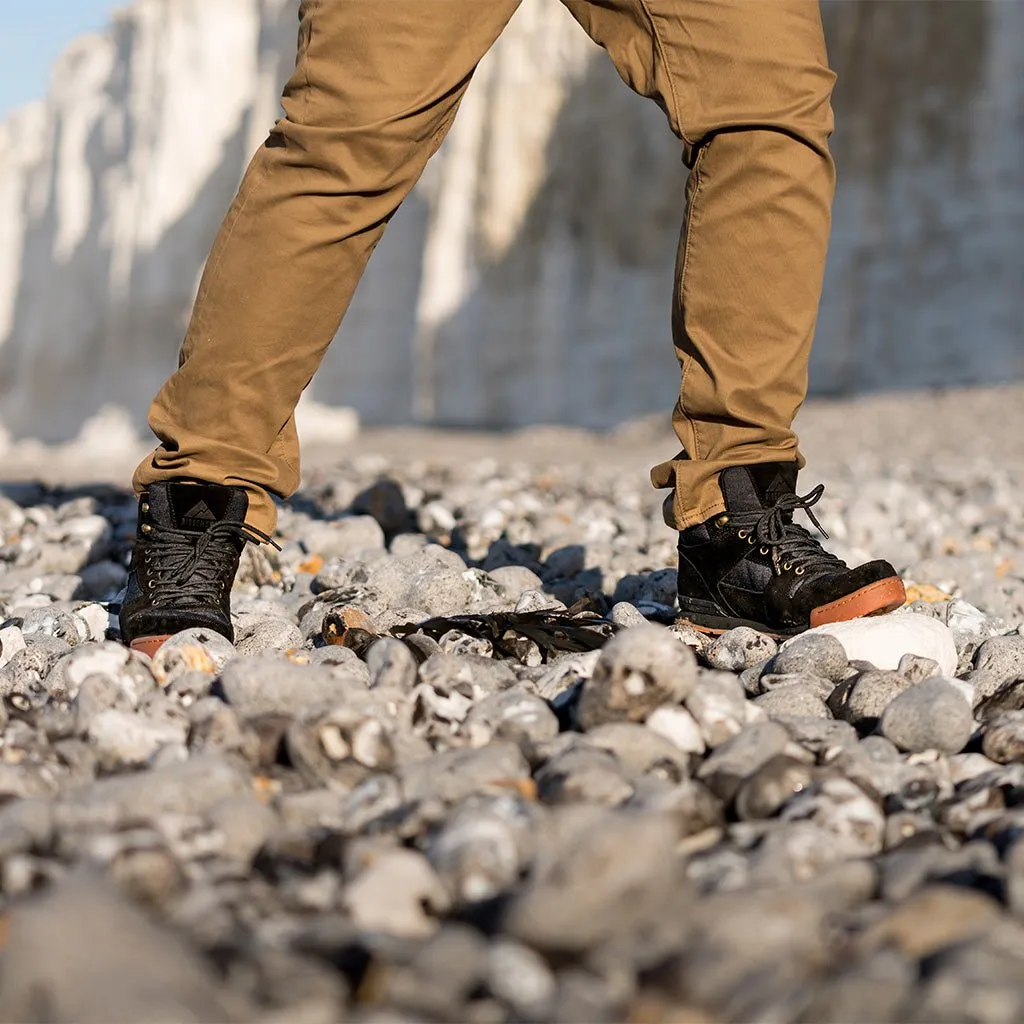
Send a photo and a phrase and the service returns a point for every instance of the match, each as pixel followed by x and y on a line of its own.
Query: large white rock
pixel 885 639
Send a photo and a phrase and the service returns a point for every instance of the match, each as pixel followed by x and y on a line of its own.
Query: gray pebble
pixel 454 774
pixel 765 792
pixel 818 735
pixel 738 649
pixel 187 788
pixel 391 665
pixel 257 686
pixel 814 654
pixel 931 715
pixel 515 580
pixel 255 634
pixel 348 537
pixel 339 747
pixel 868 695
pixel 914 668
pixel 132 970
pixel 568 912
pixel 738 758
pixel 521 979
pixel 245 824
pixel 794 699
pixel 52 621
pixel 483 847
pixel 997 661
pixel 641 750
pixel 124 739
pixel 842 808
pixel 719 706
pixel 637 671
pixel 218 648
pixel 394 894
pixel 1003 738
pixel 583 773
pixel 625 615
pixel 512 715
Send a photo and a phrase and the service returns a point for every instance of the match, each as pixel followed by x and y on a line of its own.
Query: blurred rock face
pixel 528 276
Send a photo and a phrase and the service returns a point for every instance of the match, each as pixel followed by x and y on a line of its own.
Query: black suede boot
pixel 753 566
pixel 189 540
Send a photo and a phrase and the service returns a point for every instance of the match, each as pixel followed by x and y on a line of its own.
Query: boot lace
pixel 189 568
pixel 792 546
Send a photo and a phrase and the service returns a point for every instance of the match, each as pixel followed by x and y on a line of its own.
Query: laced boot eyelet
pixel 799 571
pixel 765 551
pixel 751 541
pixel 742 535
pixel 786 566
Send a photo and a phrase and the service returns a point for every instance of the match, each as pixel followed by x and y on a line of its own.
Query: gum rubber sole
pixel 149 645
pixel 875 599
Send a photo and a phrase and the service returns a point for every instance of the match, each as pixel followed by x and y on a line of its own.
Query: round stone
pixel 932 715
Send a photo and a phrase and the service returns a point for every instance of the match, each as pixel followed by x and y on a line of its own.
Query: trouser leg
pixel 746 86
pixel 375 88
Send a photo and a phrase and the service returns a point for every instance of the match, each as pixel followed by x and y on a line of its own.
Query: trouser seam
pixel 687 358
pixel 663 56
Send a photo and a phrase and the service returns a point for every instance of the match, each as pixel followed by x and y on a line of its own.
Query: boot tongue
pixel 754 488
pixel 196 506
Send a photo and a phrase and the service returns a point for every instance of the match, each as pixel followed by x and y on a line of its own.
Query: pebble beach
pixel 463 763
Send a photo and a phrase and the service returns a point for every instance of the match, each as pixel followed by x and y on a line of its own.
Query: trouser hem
pixel 698 516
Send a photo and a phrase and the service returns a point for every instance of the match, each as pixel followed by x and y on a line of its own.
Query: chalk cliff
pixel 528 276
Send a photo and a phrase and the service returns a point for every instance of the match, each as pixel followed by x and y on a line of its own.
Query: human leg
pixel 746 86
pixel 375 89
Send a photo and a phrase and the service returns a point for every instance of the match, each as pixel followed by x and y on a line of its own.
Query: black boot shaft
pixel 193 507
pixel 757 487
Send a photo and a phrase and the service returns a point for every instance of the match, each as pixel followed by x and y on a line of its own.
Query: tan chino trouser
pixel 745 85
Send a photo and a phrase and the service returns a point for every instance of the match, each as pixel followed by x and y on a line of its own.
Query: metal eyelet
pixel 799 570
pixel 151 585
pixel 765 551
pixel 742 534
pixel 786 566
pixel 751 540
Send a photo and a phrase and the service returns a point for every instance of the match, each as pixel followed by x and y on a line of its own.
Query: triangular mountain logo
pixel 777 488
pixel 199 512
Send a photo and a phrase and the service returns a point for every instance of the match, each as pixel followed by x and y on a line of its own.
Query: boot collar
pixel 756 487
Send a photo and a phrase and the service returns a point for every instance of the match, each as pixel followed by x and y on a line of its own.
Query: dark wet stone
pixel 775 782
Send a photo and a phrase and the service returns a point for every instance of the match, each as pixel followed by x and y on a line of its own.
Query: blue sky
pixel 31 39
